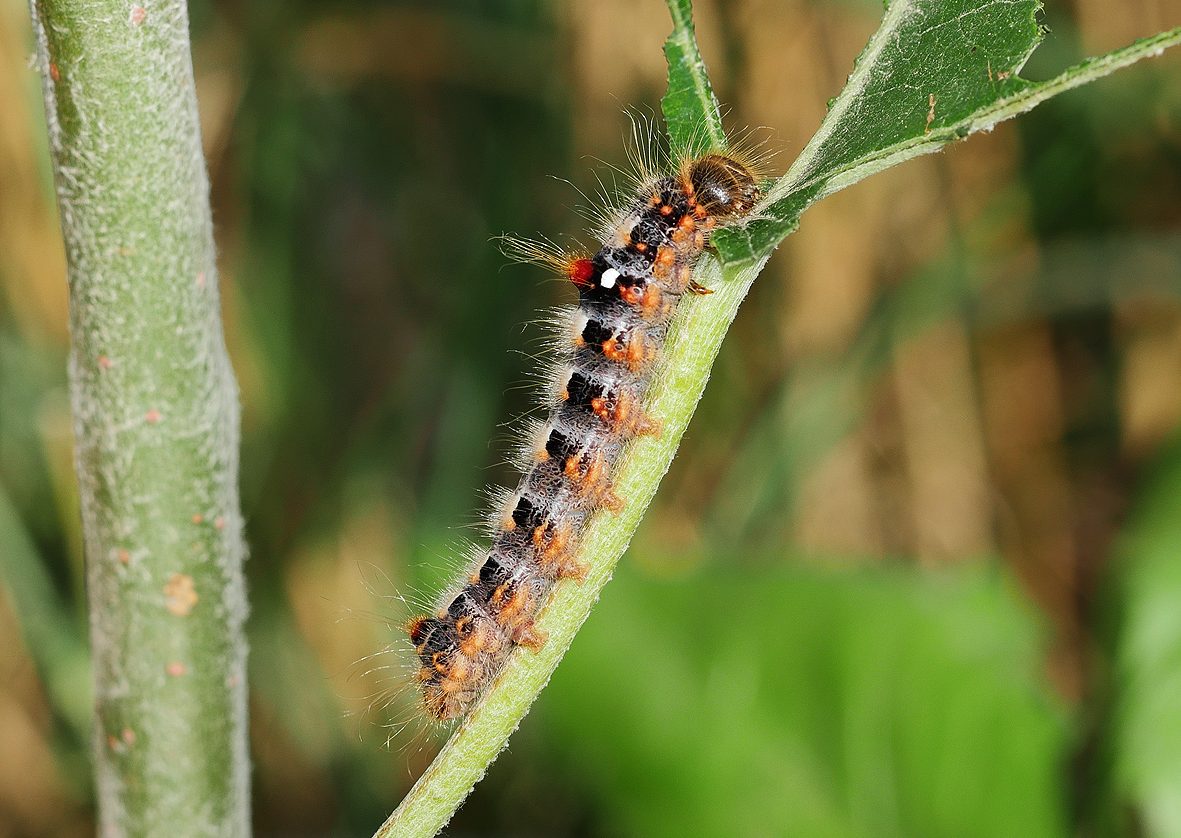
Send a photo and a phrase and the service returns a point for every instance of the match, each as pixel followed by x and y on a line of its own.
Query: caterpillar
pixel 628 292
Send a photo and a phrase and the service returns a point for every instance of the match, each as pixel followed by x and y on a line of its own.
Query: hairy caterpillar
pixel 628 292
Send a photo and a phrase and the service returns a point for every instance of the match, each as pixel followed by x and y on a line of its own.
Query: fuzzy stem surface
pixel 156 418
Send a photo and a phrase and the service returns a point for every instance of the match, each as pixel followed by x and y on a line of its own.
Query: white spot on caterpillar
pixel 607 280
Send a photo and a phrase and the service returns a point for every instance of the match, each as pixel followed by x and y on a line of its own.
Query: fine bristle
pixel 497 507
pixel 540 251
pixel 752 148
pixel 530 445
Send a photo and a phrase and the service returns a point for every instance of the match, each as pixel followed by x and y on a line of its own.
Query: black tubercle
pixel 671 195
pixel 433 635
pixel 492 575
pixel 582 391
pixel 560 447
pixel 461 605
pixel 527 514
pixel 650 231
pixel 492 571
pixel 625 260
pixel 596 332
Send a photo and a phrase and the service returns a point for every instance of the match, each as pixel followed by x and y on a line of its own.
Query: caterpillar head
pixel 722 185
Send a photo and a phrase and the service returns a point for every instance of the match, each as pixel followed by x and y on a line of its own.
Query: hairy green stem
pixel 156 418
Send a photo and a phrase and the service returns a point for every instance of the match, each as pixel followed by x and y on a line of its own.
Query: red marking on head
pixel 54 72
pixel 581 271
pixel 138 15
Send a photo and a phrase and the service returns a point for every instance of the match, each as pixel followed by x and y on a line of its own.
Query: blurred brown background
pixel 912 572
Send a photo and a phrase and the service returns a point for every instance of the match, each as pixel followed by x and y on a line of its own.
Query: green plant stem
pixel 156 419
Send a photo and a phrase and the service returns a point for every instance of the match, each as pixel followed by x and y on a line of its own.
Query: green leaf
pixel 934 72
pixel 690 108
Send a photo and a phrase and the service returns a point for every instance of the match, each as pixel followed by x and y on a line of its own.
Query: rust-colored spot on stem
pixel 180 597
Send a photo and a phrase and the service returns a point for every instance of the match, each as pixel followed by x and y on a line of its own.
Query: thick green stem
pixel 156 418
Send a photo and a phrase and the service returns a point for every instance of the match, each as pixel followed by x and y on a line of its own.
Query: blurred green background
pixel 915 570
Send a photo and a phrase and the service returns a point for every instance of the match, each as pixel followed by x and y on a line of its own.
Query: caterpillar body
pixel 628 292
